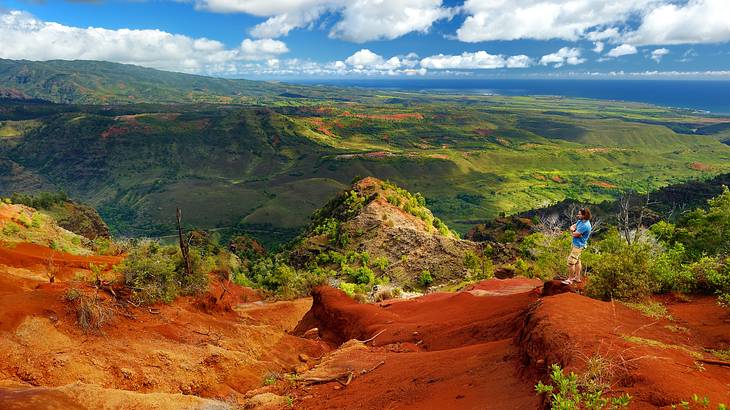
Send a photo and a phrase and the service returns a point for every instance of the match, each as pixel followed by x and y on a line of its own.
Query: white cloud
pixel 519 61
pixel 661 22
pixel 565 55
pixel 360 20
pixel 262 49
pixel 657 54
pixel 598 46
pixel 542 19
pixel 364 58
pixel 476 60
pixel 697 21
pixel 622 50
pixel 367 20
pixel 23 36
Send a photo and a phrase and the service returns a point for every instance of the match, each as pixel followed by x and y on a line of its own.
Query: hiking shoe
pixel 577 281
pixel 567 282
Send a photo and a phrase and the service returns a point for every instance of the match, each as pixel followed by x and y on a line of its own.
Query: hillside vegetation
pixel 258 158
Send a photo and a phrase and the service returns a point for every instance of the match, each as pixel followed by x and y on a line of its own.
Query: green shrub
pixel 381 263
pixel 620 270
pixel 425 279
pixel 566 393
pixel 708 231
pixel 361 275
pixel 24 220
pixel 11 228
pixel 546 252
pixel 707 274
pixel 353 203
pixel 157 273
pixel 669 272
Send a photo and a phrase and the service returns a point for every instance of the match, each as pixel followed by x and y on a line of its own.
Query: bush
pixel 708 232
pixel 425 279
pixel 669 272
pixel 620 270
pixel 92 313
pixel 547 253
pixel 566 393
pixel 157 273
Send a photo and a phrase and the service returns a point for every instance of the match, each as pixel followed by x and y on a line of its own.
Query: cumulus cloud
pixel 542 19
pixel 477 60
pixel 598 46
pixel 359 20
pixel 566 55
pixel 23 36
pixel 657 54
pixel 622 50
pixel 697 21
pixel 366 20
pixel 660 22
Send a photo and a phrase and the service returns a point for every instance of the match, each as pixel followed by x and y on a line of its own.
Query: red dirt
pixel 485 347
pixel 603 184
pixel 36 258
pixel 463 351
pixel 206 346
pixel 441 350
pixel 114 131
pixel 698 166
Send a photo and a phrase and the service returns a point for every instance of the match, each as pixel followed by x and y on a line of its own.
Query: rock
pixel 555 287
pixel 312 334
pixel 303 357
pixel 266 401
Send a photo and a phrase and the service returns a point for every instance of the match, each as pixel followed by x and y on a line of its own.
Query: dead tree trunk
pixel 183 245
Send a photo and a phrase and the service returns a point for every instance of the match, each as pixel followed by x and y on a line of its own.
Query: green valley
pixel 244 156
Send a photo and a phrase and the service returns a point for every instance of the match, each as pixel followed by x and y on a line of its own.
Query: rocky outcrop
pixel 387 222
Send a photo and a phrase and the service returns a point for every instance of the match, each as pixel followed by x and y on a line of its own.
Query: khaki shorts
pixel 574 256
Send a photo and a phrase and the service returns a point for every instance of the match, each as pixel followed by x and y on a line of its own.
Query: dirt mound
pixel 647 358
pixel 448 350
pixel 385 221
pixel 467 351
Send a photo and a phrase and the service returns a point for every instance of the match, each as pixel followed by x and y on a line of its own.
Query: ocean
pixel 712 96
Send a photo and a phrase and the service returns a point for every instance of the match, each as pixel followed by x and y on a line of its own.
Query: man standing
pixel 580 231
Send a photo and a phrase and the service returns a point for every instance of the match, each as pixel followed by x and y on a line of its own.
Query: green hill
pixel 100 82
pixel 243 156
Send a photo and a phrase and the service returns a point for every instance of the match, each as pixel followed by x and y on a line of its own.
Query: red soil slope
pixel 466 351
pixel 144 357
pixel 482 348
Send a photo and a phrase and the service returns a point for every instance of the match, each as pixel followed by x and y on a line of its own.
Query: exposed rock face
pixel 82 220
pixel 382 225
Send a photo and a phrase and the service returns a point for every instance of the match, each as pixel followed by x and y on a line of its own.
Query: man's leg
pixel 578 270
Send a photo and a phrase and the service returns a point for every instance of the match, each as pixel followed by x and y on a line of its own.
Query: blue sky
pixel 381 38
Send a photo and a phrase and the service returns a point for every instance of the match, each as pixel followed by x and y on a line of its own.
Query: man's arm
pixel 576 234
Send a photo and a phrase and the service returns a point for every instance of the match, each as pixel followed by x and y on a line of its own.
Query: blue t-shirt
pixel 583 228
